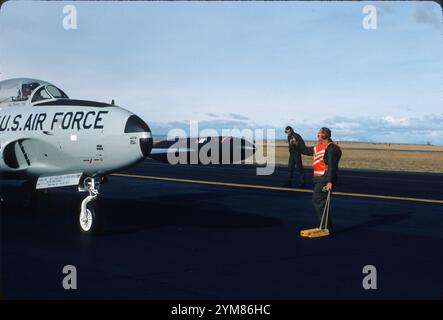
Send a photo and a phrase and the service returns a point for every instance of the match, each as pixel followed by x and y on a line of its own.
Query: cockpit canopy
pixel 22 89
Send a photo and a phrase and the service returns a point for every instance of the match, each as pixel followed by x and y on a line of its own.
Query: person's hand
pixel 328 186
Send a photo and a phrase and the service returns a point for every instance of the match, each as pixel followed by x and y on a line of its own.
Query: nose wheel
pixel 88 221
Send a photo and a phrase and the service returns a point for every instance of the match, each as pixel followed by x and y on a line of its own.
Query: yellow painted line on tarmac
pixel 257 186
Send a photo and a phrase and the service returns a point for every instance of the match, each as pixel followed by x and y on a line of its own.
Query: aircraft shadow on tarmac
pixel 161 211
pixel 122 216
pixel 125 216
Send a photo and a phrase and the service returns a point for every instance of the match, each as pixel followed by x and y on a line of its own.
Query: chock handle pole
pixel 326 211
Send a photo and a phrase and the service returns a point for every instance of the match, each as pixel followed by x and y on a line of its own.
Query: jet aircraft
pixel 50 140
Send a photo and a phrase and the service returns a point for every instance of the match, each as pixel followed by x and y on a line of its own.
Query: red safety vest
pixel 319 165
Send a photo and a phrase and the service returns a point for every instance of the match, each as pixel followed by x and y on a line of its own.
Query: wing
pixel 209 150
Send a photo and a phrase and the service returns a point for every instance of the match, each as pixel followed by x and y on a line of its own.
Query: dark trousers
pixel 319 201
pixel 295 164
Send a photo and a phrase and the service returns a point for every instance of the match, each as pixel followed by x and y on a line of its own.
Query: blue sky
pixel 242 64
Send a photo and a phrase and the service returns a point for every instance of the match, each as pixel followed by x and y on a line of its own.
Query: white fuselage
pixel 59 138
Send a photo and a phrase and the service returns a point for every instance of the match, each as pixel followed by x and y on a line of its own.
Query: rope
pixel 326 211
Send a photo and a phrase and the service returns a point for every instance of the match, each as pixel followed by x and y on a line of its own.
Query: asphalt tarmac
pixel 196 232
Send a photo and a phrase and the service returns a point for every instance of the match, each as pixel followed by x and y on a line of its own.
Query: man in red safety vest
pixel 325 166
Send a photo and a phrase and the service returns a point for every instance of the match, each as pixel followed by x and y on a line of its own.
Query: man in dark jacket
pixel 325 166
pixel 295 161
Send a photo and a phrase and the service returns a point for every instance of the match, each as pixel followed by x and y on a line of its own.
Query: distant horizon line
pixel 158 136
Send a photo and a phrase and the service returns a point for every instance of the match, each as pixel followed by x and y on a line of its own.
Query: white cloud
pixel 428 13
pixel 397 122
pixel 238 116
pixel 422 130
pixel 428 128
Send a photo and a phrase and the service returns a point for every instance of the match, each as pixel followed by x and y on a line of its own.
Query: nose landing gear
pixel 88 221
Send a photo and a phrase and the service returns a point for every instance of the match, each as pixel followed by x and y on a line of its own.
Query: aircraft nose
pixel 146 146
pixel 136 125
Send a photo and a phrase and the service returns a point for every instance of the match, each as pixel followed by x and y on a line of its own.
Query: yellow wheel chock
pixel 319 232
pixel 314 233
